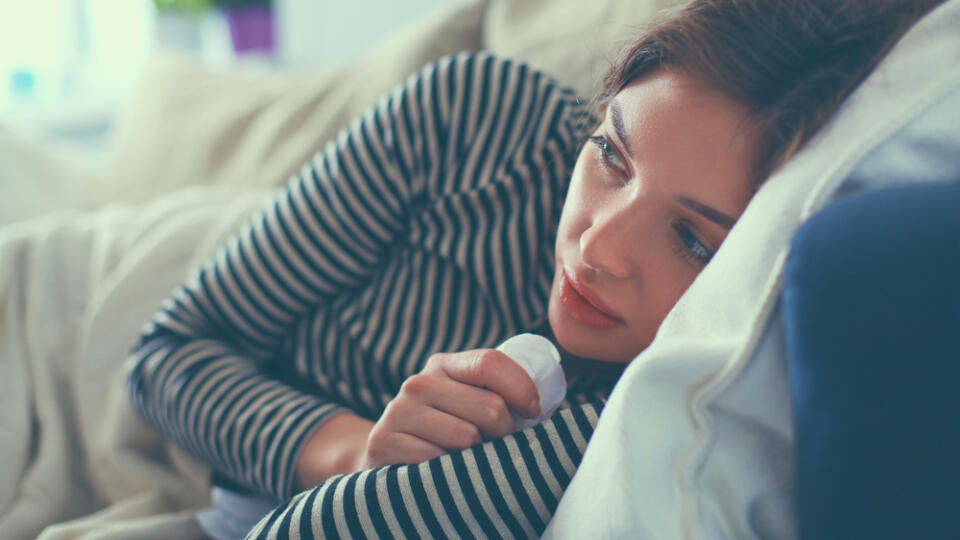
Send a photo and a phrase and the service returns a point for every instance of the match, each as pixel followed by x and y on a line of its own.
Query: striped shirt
pixel 428 225
pixel 507 488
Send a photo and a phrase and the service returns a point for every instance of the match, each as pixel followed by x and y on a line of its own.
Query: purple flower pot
pixel 251 29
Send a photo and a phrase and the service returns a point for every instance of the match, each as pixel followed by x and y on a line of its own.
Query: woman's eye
pixel 692 246
pixel 606 151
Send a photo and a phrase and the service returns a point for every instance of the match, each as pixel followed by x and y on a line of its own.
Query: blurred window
pixel 53 51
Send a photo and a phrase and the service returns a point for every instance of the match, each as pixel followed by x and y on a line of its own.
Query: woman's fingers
pixel 492 369
pixel 431 425
pixel 484 409
pixel 456 401
pixel 394 447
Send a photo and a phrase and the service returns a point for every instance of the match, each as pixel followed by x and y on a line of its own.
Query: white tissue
pixel 541 360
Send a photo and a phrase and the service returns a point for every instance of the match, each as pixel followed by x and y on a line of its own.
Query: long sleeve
pixel 506 488
pixel 264 343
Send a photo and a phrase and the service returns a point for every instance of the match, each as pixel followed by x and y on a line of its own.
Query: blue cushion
pixel 871 306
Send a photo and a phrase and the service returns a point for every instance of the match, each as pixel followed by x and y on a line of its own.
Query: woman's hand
pixel 457 401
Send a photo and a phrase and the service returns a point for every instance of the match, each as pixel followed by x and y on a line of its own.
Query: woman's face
pixel 653 194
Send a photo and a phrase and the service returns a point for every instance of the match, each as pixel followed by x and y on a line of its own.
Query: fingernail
pixel 534 408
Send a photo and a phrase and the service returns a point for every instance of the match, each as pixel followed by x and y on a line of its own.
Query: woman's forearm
pixel 336 447
pixel 222 408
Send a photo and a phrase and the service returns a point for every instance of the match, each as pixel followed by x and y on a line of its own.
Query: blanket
pixel 75 289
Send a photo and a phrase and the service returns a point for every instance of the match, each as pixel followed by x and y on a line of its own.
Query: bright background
pixel 66 64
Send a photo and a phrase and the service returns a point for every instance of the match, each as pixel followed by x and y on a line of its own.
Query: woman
pixel 478 201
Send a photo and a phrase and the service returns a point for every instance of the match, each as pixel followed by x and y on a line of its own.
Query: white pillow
pixel 697 438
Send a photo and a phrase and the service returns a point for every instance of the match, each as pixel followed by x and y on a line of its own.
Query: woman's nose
pixel 608 244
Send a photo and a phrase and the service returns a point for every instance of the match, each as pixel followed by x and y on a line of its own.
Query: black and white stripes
pixel 427 226
pixel 508 488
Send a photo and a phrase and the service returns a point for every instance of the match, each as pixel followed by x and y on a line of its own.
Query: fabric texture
pixel 573 41
pixel 506 488
pixel 39 176
pixel 713 386
pixel 427 226
pixel 75 289
pixel 871 304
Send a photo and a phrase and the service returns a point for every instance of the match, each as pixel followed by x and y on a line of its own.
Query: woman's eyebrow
pixel 616 116
pixel 712 214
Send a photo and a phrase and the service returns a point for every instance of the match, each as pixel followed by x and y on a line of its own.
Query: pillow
pixel 697 438
pixel 566 38
pixel 871 305
pixel 189 124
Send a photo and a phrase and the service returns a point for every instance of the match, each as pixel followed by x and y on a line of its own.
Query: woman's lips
pixel 582 308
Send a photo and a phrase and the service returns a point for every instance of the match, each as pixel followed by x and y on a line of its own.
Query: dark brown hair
pixel 791 63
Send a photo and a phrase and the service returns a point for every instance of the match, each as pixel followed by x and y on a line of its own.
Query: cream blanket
pixel 75 288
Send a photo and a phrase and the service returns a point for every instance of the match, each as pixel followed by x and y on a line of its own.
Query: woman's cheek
pixel 572 217
pixel 673 280
pixel 587 188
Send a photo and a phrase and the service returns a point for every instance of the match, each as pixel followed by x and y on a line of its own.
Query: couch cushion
pixel 871 305
pixel 575 41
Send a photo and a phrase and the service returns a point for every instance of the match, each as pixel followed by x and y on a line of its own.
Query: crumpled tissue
pixel 541 360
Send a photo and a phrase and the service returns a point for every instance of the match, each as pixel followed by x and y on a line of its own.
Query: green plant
pixel 192 6
pixel 200 6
